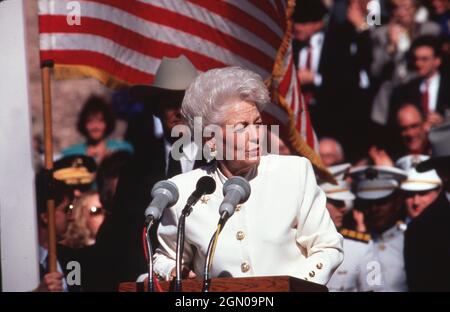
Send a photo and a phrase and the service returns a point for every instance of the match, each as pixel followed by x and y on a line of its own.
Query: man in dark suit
pixel 332 59
pixel 430 91
pixel 427 239
pixel 120 238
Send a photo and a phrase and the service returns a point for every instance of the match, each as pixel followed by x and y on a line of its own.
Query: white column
pixel 18 228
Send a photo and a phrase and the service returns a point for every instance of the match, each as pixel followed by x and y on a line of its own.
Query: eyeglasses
pixel 96 211
pixel 68 208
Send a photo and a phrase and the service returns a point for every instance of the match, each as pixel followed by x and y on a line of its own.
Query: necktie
pixel 309 58
pixel 425 99
pixel 308 95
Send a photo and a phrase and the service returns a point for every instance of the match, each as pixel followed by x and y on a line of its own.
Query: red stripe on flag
pixel 194 27
pixel 126 38
pixel 267 8
pixel 242 19
pixel 97 60
pixel 286 81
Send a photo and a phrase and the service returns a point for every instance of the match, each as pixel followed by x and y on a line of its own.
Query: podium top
pixel 241 284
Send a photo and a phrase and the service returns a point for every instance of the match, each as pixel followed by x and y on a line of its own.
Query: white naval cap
pixel 417 181
pixel 341 191
pixel 376 182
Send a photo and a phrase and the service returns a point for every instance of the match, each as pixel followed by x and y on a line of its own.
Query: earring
pixel 212 152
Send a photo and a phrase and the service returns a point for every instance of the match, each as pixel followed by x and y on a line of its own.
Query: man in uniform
pixel 339 201
pixel 420 189
pixel 377 191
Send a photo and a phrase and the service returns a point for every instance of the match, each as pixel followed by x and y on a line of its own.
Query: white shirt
pixel 316 43
pixel 282 229
pixel 43 255
pixel 433 89
pixel 383 263
pixel 347 275
pixel 187 159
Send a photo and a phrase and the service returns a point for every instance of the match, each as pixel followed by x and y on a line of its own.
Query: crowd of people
pixel 378 93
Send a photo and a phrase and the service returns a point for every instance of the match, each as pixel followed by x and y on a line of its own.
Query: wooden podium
pixel 241 284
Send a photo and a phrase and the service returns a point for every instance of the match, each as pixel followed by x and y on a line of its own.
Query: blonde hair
pixel 78 233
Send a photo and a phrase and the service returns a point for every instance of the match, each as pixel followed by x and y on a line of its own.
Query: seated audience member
pixel 96 122
pixel 412 131
pixel 330 151
pixel 377 191
pixel 419 190
pixel 430 91
pixel 54 281
pixel 77 172
pixel 339 202
pixel 427 240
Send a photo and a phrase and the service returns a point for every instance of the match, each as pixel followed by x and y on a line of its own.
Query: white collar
pixel 190 150
pixel 249 176
pixel 432 81
pixel 43 253
pixel 316 39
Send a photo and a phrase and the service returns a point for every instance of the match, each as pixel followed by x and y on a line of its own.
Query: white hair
pixel 212 92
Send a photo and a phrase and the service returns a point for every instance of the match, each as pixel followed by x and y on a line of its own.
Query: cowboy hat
pixel 173 77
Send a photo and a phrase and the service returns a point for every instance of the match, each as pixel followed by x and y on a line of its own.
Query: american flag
pixel 121 42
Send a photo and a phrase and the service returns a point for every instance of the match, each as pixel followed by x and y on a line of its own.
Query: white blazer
pixel 283 229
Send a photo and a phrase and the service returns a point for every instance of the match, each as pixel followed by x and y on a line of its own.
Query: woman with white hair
pixel 283 228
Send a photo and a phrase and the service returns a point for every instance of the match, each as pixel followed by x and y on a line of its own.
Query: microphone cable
pixel 211 251
pixel 146 242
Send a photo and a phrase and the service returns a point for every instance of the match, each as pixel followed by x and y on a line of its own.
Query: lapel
pixel 443 98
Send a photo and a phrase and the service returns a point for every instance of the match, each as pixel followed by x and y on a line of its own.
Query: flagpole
pixel 46 67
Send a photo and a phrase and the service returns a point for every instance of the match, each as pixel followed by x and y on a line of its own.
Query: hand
pixel 395 31
pixel 358 216
pixel 355 15
pixel 380 157
pixel 305 76
pixel 433 119
pixel 51 282
pixel 185 273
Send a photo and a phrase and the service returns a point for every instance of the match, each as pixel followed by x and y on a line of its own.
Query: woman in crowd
pixel 88 215
pixel 96 122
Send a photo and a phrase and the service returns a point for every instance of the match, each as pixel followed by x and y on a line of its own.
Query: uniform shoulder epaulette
pixel 355 235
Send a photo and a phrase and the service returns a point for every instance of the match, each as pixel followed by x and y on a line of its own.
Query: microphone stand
pixel 211 250
pixel 151 283
pixel 180 245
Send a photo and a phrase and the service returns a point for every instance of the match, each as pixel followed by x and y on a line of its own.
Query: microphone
pixel 236 191
pixel 164 193
pixel 205 185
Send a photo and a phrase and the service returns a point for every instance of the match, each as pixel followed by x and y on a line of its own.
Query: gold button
pixel 312 274
pixel 240 235
pixel 319 266
pixel 382 247
pixel 245 267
